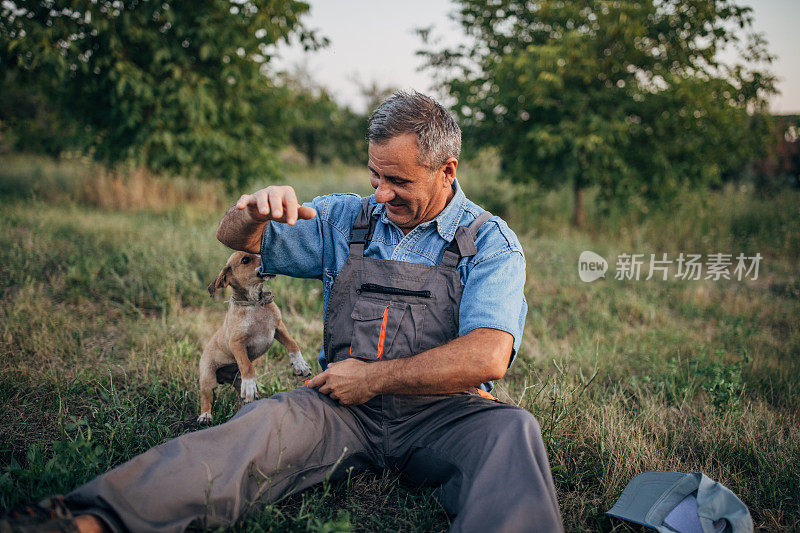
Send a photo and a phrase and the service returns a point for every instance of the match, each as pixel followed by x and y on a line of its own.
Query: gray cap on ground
pixel 686 503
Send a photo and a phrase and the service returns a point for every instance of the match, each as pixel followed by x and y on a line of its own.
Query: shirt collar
pixel 446 221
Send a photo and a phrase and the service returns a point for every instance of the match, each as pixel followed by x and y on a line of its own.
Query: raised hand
pixel 276 202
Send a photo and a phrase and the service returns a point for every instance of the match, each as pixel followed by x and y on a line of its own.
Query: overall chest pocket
pixel 386 329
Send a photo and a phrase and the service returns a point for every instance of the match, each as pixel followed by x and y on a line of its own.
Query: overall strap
pixel 463 244
pixel 363 227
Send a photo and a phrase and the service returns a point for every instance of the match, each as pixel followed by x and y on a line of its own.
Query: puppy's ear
pixel 220 282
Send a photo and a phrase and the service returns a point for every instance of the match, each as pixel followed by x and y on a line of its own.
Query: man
pixel 423 308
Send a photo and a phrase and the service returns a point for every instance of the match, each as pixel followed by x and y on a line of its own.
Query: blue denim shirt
pixel 492 280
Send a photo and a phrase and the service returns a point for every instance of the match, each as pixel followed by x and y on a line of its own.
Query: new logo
pixel 591 266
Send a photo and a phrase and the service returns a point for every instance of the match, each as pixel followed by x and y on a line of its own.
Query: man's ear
pixel 221 281
pixel 448 171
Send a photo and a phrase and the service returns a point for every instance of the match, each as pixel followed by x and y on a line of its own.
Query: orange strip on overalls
pixel 485 394
pixel 383 332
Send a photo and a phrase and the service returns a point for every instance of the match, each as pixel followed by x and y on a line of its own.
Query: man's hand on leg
pixel 347 381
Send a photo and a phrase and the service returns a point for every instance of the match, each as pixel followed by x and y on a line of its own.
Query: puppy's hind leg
pixel 301 368
pixel 208 380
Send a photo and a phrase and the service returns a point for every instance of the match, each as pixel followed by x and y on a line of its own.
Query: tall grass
pixel 78 180
pixel 103 317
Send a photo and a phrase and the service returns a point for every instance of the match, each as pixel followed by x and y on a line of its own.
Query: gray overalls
pixel 486 458
pixel 385 309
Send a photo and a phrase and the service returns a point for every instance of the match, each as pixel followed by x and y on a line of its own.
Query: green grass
pixel 103 315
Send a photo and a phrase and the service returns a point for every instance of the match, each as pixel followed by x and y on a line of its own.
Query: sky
pixel 374 41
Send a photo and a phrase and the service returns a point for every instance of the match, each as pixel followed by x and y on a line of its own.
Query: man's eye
pixel 245 260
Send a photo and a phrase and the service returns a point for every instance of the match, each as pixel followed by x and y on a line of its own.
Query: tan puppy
pixel 252 322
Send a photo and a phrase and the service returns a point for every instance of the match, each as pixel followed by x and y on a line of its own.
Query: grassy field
pixel 103 315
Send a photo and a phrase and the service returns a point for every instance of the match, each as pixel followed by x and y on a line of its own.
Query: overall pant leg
pixel 489 463
pixel 270 449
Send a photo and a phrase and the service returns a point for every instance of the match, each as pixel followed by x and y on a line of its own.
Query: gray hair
pixel 438 135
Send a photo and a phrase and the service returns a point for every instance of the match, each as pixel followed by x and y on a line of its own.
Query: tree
pixel 627 95
pixel 373 93
pixel 178 87
pixel 318 126
pixel 30 123
pixel 782 163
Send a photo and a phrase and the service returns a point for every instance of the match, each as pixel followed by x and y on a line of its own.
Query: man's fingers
pixel 317 380
pixel 290 202
pixel 305 212
pixel 262 202
pixel 278 203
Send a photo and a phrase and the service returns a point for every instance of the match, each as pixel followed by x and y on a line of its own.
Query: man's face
pixel 411 192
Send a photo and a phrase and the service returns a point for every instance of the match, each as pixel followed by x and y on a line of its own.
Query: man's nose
pixel 383 193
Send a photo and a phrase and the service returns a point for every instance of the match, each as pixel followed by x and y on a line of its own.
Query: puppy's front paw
pixel 301 368
pixel 249 391
pixel 204 418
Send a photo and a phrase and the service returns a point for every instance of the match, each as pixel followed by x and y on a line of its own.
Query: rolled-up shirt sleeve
pixel 493 294
pixel 309 247
pixel 294 250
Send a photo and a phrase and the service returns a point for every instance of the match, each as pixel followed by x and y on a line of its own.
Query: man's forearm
pixel 481 355
pixel 238 230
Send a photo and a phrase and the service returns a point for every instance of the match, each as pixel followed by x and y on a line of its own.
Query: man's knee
pixel 530 423
pixel 516 423
pixel 286 426
pixel 287 419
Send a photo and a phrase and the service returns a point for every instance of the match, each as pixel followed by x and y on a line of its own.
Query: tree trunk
pixel 312 150
pixel 578 210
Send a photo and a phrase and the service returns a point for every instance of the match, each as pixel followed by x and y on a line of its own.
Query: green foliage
pixel 320 128
pixel 781 167
pixel 630 96
pixel 63 469
pixel 684 377
pixel 29 122
pixel 178 87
